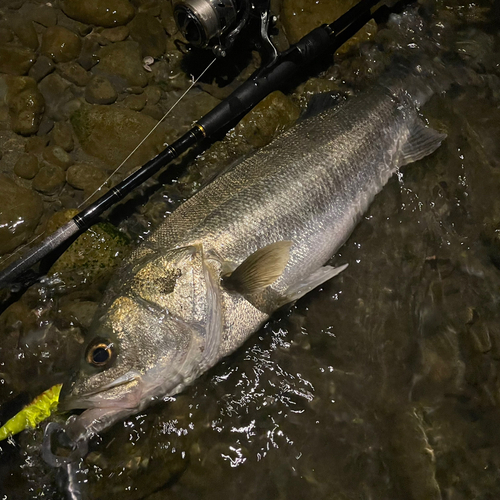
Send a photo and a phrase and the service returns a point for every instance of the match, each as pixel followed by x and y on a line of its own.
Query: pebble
pixel 26 104
pixel 20 211
pixel 57 93
pixel 74 73
pixel 26 166
pixel 45 15
pixel 16 60
pixel 61 44
pixel 57 156
pixel 107 14
pixel 99 129
pixel 35 144
pixel 85 176
pixel 25 31
pixel 100 91
pixel 153 94
pixel 121 62
pixel 42 67
pixel 89 55
pixel 149 33
pixel 135 102
pixel 62 135
pixel 117 34
pixel 49 180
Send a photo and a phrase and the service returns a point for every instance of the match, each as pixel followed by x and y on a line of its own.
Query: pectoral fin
pixel 315 279
pixel 422 142
pixel 260 269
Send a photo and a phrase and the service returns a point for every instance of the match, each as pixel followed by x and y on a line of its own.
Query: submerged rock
pixel 93 257
pixel 111 133
pixel 20 211
pixel 42 67
pixel 26 166
pixel 121 62
pixel 57 156
pixel 15 60
pixel 26 103
pixel 25 31
pixel 149 33
pixel 100 91
pixel 49 180
pixel 271 116
pixel 61 44
pixel 108 14
pixel 85 176
pixel 62 135
pixel 74 73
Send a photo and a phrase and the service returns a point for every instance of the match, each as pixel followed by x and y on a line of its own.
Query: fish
pixel 256 238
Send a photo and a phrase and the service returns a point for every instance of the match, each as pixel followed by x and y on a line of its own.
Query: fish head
pixel 154 336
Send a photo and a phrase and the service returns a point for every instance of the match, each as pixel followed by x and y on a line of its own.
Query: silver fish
pixel 256 238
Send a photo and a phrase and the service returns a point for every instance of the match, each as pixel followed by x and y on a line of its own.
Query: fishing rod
pixel 280 68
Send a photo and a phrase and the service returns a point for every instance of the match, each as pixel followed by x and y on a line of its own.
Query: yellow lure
pixel 34 413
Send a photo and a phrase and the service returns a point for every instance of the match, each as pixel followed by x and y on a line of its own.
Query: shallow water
pixel 382 384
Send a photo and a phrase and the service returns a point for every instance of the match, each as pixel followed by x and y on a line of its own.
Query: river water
pixel 382 384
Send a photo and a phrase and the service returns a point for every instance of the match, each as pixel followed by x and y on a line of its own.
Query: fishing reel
pixel 216 24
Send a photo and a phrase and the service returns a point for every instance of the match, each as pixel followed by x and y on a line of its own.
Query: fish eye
pixel 99 353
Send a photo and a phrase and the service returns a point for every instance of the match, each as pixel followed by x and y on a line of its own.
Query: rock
pixel 61 44
pixel 42 67
pixel 62 135
pixel 6 35
pixel 26 166
pixel 121 62
pixel 20 211
pixel 149 33
pixel 49 180
pixel 89 55
pixel 26 104
pixel 16 60
pixel 100 91
pixel 153 94
pixel 36 144
pixel 117 34
pixel 74 73
pixel 45 15
pixel 56 155
pixel 111 133
pixel 85 176
pixel 272 115
pixel 107 14
pixel 167 18
pixel 93 257
pixel 135 102
pixel 25 31
pixel 57 93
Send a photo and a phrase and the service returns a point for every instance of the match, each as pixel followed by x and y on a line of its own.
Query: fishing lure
pixel 34 413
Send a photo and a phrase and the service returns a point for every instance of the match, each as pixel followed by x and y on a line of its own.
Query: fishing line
pixel 194 82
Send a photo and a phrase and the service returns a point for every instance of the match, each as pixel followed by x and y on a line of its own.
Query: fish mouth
pixel 100 397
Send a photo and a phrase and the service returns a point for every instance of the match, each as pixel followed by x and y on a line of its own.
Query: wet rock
pixel 36 144
pixel 57 93
pixel 61 44
pixel 135 102
pixel 121 62
pixel 271 116
pixel 26 166
pixel 57 156
pixel 26 104
pixel 117 34
pixel 85 176
pixel 74 73
pixel 107 14
pixel 153 94
pixel 100 91
pixel 62 135
pixel 167 18
pixel 93 257
pixel 110 133
pixel 16 60
pixel 42 67
pixel 20 211
pixel 89 55
pixel 6 35
pixel 25 31
pixel 149 33
pixel 45 15
pixel 49 180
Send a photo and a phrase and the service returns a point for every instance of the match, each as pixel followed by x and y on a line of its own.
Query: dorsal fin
pixel 260 269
